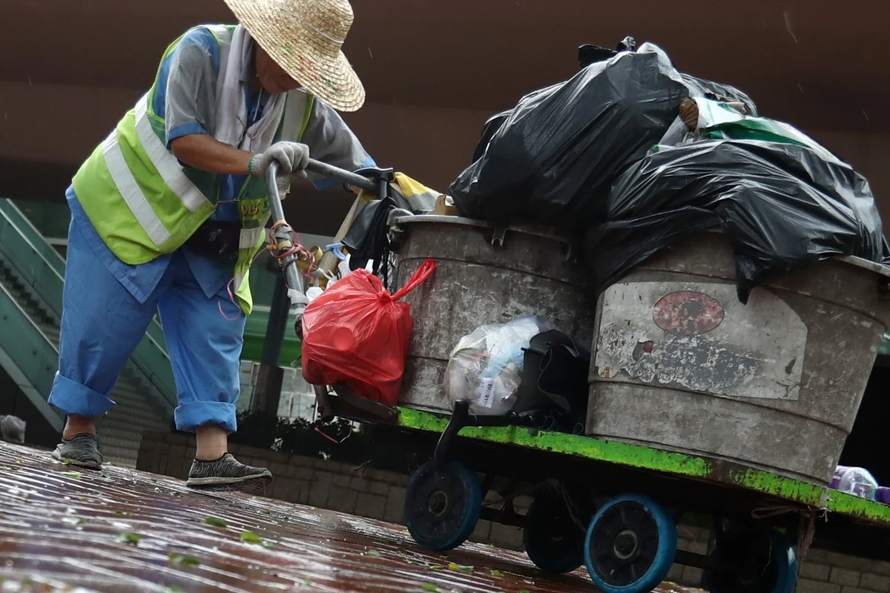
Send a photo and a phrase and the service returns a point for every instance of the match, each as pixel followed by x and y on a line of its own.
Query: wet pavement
pixel 64 529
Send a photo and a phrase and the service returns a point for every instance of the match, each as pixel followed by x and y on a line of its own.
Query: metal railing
pixel 42 270
pixel 28 356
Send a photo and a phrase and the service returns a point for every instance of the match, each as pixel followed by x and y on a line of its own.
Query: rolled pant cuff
pixel 73 398
pixel 192 415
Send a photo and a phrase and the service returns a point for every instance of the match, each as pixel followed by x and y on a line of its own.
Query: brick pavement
pixel 63 529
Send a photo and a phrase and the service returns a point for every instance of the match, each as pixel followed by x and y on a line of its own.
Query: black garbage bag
pixel 590 54
pixel 494 123
pixel 781 204
pixel 554 157
pixel 491 127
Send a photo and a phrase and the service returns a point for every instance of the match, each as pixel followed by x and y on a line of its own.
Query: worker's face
pixel 272 77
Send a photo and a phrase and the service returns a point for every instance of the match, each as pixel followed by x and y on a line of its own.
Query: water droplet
pixel 787 16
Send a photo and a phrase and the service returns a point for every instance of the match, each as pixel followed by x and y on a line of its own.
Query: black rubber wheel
pixel 442 505
pixel 751 562
pixel 553 539
pixel 631 545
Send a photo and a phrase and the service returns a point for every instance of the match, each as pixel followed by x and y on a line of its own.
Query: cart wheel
pixel 442 505
pixel 631 545
pixel 752 563
pixel 553 540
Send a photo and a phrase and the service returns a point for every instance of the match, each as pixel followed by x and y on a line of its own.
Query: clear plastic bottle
pixel 856 481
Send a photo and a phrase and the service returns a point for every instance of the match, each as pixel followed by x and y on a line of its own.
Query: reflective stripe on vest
pixel 166 163
pixel 168 168
pixel 249 238
pixel 129 189
pixel 249 243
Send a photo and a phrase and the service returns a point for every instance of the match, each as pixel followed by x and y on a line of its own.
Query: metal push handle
pixel 341 175
pixel 319 168
pixel 288 263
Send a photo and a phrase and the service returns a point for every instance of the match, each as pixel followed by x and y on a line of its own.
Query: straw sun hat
pixel 304 37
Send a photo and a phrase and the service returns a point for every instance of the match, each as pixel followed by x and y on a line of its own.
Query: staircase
pixel 31 273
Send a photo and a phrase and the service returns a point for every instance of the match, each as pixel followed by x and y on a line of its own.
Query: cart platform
pixel 666 462
pixel 762 523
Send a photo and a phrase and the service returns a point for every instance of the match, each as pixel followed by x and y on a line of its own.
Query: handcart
pixel 611 499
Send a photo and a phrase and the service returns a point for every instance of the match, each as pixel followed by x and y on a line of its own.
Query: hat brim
pixel 304 55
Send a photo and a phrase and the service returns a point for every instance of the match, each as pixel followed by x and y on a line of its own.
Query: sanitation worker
pixel 169 211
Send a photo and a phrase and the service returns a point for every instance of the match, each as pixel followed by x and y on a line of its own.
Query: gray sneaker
pixel 227 473
pixel 82 451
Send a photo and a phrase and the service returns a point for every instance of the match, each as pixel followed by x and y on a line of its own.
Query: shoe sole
pixel 260 480
pixel 68 461
pixel 255 487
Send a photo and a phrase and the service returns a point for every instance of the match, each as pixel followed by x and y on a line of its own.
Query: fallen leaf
pixel 182 559
pixel 19 460
pixel 13 468
pixel 75 475
pixel 250 537
pixel 430 587
pixel 497 574
pixel 215 522
pixel 174 589
pixel 459 568
pixel 120 512
pixel 128 538
pixel 72 520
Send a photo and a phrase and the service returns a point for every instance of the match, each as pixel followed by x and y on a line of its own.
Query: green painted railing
pixel 42 269
pixel 28 356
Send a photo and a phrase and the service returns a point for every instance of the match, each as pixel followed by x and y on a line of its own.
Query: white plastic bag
pixel 486 366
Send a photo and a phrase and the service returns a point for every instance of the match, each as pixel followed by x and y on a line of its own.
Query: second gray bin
pixel 680 364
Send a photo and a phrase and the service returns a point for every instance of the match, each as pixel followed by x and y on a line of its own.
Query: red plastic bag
pixel 357 333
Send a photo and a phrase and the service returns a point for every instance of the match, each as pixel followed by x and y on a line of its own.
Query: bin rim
pixel 552 233
pixel 531 229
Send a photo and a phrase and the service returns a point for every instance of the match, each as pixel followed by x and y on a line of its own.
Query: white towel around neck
pixel 231 112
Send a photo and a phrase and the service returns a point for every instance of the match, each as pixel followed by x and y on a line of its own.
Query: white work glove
pixel 292 158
